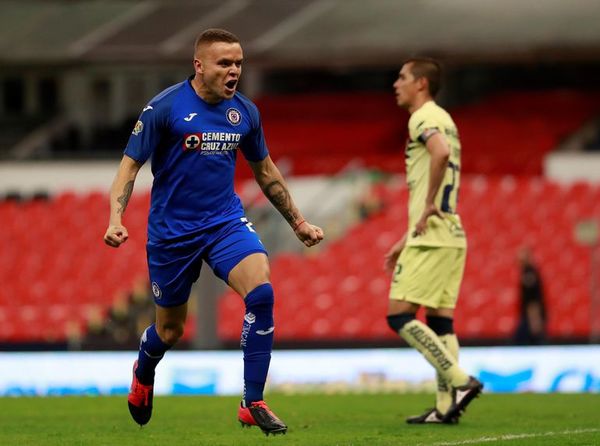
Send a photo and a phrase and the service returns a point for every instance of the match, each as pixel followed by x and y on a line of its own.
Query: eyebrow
pixel 225 59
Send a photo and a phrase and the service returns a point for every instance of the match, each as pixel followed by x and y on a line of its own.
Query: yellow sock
pixel 423 338
pixel 444 391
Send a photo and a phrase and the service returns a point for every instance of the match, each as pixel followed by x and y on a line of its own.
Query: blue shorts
pixel 175 266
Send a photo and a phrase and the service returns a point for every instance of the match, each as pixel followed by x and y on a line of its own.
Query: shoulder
pixel 429 114
pixel 419 119
pixel 441 114
pixel 165 98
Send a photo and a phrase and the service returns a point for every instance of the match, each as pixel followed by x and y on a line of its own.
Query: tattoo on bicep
pixel 281 199
pixel 124 199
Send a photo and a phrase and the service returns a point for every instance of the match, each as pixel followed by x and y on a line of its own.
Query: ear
pixel 423 84
pixel 198 66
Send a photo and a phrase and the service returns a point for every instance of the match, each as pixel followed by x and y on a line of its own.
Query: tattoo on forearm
pixel 281 199
pixel 124 199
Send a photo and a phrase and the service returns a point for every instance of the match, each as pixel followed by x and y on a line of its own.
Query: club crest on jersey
pixel 234 116
pixel 156 290
pixel 139 126
pixel 192 141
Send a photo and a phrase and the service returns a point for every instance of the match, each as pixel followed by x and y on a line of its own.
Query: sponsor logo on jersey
pixel 192 141
pixel 212 143
pixel 156 290
pixel 189 117
pixel 250 318
pixel 233 116
pixel 139 126
pixel 147 107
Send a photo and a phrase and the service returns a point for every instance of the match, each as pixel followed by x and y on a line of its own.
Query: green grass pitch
pixel 494 419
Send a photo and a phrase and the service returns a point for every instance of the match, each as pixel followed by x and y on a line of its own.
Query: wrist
pixel 298 224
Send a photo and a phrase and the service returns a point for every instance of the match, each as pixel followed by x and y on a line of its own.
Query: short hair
pixel 428 68
pixel 213 35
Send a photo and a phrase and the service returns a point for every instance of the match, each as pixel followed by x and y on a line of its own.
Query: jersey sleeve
pixel 422 125
pixel 253 145
pixel 146 133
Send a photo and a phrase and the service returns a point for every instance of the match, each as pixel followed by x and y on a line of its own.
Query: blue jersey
pixel 194 146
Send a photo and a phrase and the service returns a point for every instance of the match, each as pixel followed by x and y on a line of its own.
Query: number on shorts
pixel 248 224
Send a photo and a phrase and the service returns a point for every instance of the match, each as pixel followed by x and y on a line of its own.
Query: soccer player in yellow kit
pixel 428 262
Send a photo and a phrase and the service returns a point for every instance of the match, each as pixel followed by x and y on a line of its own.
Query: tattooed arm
pixel 275 189
pixel 120 193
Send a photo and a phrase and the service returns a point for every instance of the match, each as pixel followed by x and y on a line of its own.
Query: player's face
pixel 406 87
pixel 219 66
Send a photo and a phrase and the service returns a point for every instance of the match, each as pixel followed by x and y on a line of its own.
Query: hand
pixel 116 235
pixel 430 210
pixel 391 257
pixel 309 234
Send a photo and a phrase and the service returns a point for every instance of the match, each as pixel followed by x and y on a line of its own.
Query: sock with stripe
pixel 424 339
pixel 152 350
pixel 257 340
pixel 444 329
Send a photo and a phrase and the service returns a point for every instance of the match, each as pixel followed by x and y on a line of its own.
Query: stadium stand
pixel 341 294
pixel 337 294
pixel 58 270
pixel 323 133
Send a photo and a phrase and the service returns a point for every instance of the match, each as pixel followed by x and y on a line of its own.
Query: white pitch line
pixel 511 437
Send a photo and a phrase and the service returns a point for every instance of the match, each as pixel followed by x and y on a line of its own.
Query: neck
pixel 203 92
pixel 418 103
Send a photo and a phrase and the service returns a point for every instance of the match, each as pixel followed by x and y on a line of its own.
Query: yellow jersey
pixel 446 232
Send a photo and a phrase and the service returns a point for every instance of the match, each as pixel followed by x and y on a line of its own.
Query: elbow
pixel 261 179
pixel 445 152
pixel 444 156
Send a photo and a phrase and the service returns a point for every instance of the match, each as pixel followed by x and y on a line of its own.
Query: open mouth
pixel 231 84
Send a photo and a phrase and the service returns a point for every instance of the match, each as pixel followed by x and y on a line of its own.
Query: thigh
pixel 232 244
pixel 173 269
pixel 419 276
pixel 249 273
pixel 455 264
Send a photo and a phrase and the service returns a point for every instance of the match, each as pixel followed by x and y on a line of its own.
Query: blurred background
pixel 522 81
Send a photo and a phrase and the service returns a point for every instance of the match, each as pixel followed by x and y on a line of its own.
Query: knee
pixel 398 321
pixel 440 325
pixel 260 297
pixel 170 332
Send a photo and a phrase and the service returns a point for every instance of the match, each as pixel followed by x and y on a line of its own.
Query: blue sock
pixel 257 341
pixel 152 350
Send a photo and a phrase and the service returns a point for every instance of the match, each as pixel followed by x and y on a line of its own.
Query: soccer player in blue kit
pixel 193 131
